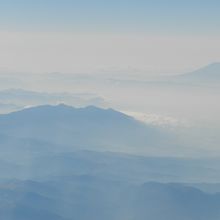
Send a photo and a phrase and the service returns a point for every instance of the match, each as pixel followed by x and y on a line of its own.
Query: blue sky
pixel 154 16
pixel 85 35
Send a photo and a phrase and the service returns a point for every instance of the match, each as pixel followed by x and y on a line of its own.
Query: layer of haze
pixel 78 52
pixel 71 36
pixel 59 162
pixel 110 48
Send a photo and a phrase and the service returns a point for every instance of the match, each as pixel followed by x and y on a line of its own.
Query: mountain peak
pixel 207 73
pixel 217 64
pixel 213 68
pixel 69 112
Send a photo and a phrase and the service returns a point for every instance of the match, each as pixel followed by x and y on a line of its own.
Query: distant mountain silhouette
pixel 79 197
pixel 45 174
pixel 157 201
pixel 88 127
pixel 17 99
pixel 209 73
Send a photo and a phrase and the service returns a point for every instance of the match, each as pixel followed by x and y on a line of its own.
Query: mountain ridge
pixel 207 73
pixel 82 127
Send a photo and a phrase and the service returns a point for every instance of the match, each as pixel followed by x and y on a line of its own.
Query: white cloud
pixel 158 120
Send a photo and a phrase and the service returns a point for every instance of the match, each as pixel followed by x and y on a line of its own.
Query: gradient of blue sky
pixel 68 35
pixel 154 16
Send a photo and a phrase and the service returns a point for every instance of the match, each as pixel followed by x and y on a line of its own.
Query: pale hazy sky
pixel 71 36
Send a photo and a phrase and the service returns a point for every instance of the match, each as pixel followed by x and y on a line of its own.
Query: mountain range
pixel 83 197
pixel 17 99
pixel 84 128
pixel 64 163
